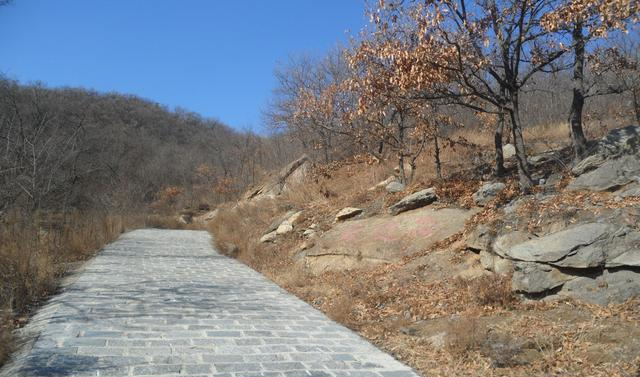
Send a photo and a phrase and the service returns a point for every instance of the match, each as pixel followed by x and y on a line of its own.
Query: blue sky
pixel 214 57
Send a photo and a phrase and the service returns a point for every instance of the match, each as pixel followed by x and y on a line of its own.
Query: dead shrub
pixel 341 308
pixel 489 290
pixel 243 225
pixel 465 334
pixel 493 290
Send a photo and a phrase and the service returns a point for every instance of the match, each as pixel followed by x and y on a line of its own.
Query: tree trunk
pixel 401 146
pixel 578 140
pixel 500 170
pixel 636 103
pixel 497 139
pixel 436 148
pixel 524 178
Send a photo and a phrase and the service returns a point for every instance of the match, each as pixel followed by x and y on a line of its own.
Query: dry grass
pixel 167 222
pixel 464 335
pixel 36 251
pixel 490 290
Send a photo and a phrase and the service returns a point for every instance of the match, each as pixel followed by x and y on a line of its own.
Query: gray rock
pixel 612 286
pixel 537 277
pixel 611 174
pixel 629 193
pixel 487 193
pixel 495 263
pixel 309 233
pixel 284 228
pixel 480 238
pixel 623 250
pixel 505 242
pixel 560 245
pixel 552 181
pixel 621 141
pixel 295 218
pixel 541 158
pixel 508 151
pixel 278 221
pixel 395 186
pixel 211 215
pixel 269 237
pixel 413 201
pixel 347 213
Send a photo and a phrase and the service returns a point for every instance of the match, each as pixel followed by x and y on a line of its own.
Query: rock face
pixel 609 286
pixel 619 142
pixel 375 240
pixel 596 261
pixel 413 201
pixel 347 213
pixel 487 193
pixel 634 191
pixel 291 174
pixel 536 277
pixel 611 174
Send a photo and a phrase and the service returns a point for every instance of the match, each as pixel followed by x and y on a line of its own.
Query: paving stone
pixel 164 303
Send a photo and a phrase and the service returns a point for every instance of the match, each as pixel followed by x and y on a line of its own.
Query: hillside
pixel 467 278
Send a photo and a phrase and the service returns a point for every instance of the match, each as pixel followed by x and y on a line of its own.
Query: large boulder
pixel 618 142
pixel 364 242
pixel 413 201
pixel 487 193
pixel 583 246
pixel 611 174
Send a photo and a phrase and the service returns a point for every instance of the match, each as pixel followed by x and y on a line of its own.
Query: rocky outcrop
pixel 376 240
pixel 291 174
pixel 413 201
pixel 567 261
pixel 611 174
pixel 487 193
pixel 617 143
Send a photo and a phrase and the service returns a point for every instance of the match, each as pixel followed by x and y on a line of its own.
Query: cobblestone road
pixel 163 303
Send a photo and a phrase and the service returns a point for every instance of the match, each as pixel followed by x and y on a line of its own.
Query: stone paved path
pixel 163 303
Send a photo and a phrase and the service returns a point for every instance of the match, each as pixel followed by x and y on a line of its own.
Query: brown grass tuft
pixel 464 335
